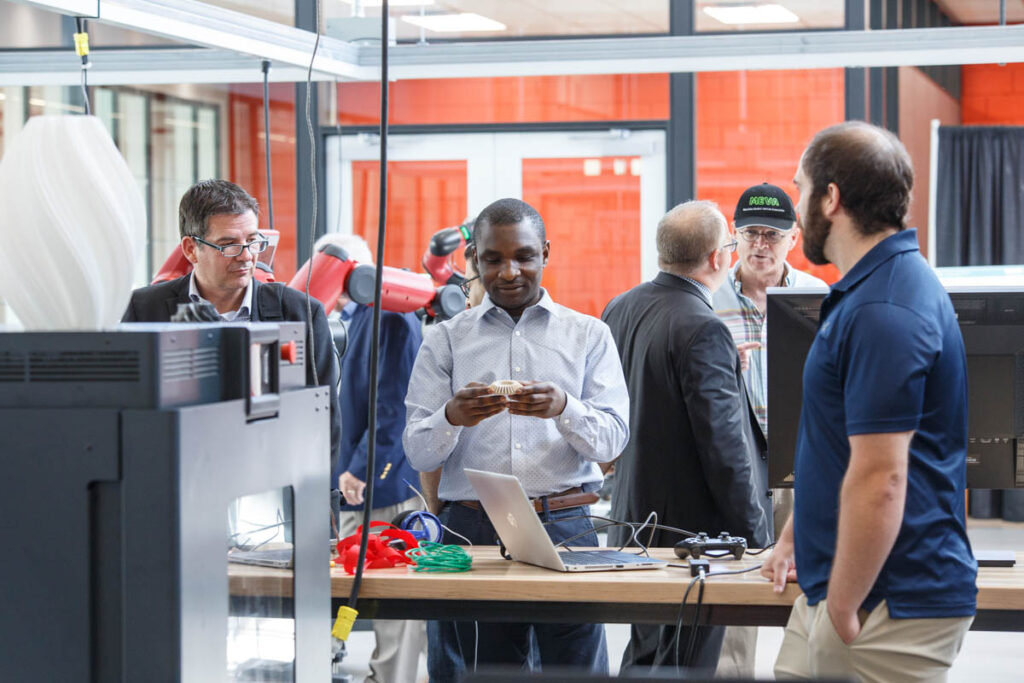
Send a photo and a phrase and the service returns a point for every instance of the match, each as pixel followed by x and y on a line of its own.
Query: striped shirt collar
pixel 701 287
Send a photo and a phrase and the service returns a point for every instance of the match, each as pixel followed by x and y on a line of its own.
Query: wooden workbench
pixel 498 590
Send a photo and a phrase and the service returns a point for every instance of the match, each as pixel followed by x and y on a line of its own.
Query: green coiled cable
pixel 437 557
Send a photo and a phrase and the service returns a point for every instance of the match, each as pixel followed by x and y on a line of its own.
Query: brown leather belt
pixel 570 498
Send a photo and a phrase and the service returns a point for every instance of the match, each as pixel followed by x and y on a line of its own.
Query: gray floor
pixel 987 656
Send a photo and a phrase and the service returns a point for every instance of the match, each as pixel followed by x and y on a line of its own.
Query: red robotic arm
pixel 437 258
pixel 334 274
pixel 402 291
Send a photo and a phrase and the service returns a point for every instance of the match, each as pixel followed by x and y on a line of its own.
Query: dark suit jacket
pixel 693 439
pixel 400 339
pixel 270 303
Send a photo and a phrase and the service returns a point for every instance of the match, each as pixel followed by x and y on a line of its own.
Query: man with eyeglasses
pixel 765 224
pixel 219 227
pixel 766 230
pixel 692 446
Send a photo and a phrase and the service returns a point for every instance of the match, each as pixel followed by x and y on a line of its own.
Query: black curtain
pixel 979 218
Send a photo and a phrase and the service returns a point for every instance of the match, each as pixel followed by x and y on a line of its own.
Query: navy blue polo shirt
pixel 889 357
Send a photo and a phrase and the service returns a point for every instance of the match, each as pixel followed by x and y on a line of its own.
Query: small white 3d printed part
pixel 505 387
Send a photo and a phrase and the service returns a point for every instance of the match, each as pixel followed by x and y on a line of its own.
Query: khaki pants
pixel 399 643
pixel 740 644
pixel 885 650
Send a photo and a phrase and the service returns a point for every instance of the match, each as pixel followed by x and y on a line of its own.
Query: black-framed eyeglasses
pixel 465 284
pixel 235 250
pixel 729 247
pixel 769 236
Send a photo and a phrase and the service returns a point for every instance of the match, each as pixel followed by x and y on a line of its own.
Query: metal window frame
pixel 290 47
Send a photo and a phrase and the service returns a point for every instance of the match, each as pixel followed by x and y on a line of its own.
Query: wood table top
pixel 494 578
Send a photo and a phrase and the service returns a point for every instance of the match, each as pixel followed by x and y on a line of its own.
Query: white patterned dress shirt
pixel 549 343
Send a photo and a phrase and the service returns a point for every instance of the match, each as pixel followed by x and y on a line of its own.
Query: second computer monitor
pixel 992 323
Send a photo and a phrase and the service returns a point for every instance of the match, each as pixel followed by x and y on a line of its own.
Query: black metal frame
pixel 537 127
pixel 680 139
pixel 870 94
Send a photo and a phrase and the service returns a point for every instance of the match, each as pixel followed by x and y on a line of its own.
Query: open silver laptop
pixel 520 529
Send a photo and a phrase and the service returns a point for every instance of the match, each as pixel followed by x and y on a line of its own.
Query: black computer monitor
pixel 992 323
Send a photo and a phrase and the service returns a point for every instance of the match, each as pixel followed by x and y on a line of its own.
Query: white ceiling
pixel 590 17
pixel 606 17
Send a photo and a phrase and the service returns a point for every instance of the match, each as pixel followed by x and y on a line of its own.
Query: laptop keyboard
pixel 598 557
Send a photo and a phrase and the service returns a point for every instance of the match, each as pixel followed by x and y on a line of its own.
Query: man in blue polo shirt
pixel 877 540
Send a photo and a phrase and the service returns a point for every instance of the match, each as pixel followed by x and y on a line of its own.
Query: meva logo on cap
pixel 765 205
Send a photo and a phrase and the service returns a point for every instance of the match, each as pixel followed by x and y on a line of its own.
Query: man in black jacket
pixel 218 223
pixel 693 439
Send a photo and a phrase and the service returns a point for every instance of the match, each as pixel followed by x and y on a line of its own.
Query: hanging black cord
pixel 82 50
pixel 265 64
pixel 312 185
pixel 371 447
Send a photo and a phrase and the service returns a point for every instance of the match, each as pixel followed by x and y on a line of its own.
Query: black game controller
pixel 698 545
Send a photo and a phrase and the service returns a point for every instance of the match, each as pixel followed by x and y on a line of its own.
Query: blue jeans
pixel 453 647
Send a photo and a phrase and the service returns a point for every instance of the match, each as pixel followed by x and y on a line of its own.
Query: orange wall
pixel 247 161
pixel 508 100
pixel 593 224
pixel 423 197
pixel 752 127
pixel 921 100
pixel 992 95
pixel 592 220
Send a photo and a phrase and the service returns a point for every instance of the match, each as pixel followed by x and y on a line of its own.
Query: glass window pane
pixel 509 100
pixel 423 197
pixel 53 99
pixel 133 138
pixel 206 143
pixel 103 35
pixel 591 210
pixel 22 26
pixel 247 157
pixel 103 109
pixel 752 127
pixel 261 559
pixel 172 143
pixel 12 113
pixel 922 99
pixel 778 15
pixel 500 19
pixel 278 11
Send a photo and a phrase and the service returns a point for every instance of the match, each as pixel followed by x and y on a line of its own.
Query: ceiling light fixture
pixel 464 22
pixel 752 14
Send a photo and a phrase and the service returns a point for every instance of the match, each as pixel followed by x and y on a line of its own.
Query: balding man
pixel 692 445
pixel 878 534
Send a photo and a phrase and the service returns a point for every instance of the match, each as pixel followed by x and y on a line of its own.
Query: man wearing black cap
pixel 765 224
